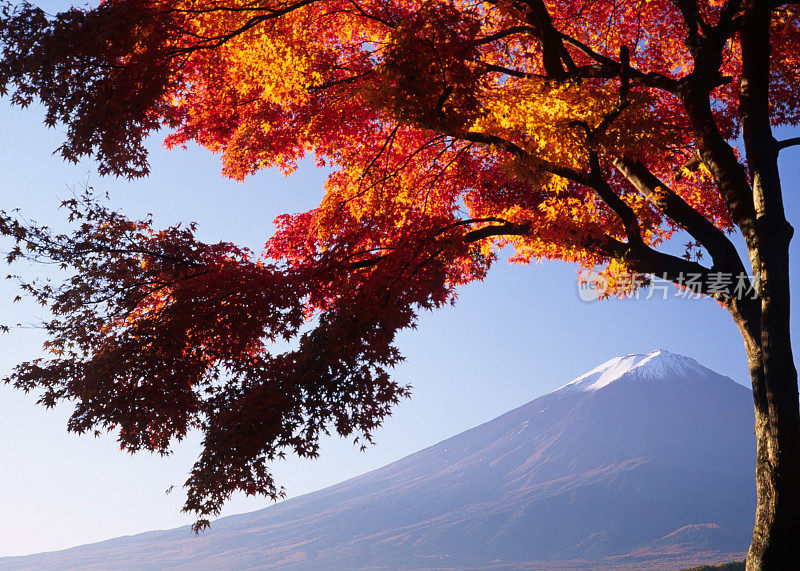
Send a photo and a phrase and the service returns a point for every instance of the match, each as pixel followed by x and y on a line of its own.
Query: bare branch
pixel 508 71
pixel 786 143
pixel 506 229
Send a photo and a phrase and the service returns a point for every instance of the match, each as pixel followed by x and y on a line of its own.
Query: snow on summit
pixel 655 365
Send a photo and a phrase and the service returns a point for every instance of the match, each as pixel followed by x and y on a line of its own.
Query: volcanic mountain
pixel 646 461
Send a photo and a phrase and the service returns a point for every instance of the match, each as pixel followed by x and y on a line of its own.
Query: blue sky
pixel 521 333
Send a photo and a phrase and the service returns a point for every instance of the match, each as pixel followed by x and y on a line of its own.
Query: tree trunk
pixel 776 536
pixel 777 525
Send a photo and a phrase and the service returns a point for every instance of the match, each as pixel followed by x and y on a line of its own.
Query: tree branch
pixel 554 55
pixel 508 71
pixel 620 208
pixel 692 20
pixel 504 34
pixel 527 158
pixel 786 143
pixel 690 166
pixel 609 68
pixel 639 257
pixel 716 153
pixel 506 229
pixel 698 226
pixel 212 42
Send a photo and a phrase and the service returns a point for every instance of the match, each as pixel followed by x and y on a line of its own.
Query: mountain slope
pixel 645 458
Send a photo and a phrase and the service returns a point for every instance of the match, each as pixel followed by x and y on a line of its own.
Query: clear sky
pixel 521 333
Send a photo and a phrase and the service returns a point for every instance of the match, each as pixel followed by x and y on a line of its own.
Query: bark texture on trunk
pixel 776 535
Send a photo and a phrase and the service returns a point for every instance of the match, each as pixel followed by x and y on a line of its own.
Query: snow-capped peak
pixel 652 365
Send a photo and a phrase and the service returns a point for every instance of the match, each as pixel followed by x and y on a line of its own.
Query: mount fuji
pixel 646 461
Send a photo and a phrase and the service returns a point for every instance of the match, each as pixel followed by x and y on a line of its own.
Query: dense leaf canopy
pixel 584 131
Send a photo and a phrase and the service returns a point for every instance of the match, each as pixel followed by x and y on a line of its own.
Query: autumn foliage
pixel 588 132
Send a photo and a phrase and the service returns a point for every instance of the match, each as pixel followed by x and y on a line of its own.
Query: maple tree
pixel 589 132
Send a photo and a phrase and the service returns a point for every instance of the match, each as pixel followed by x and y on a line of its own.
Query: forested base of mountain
pixel 731 566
